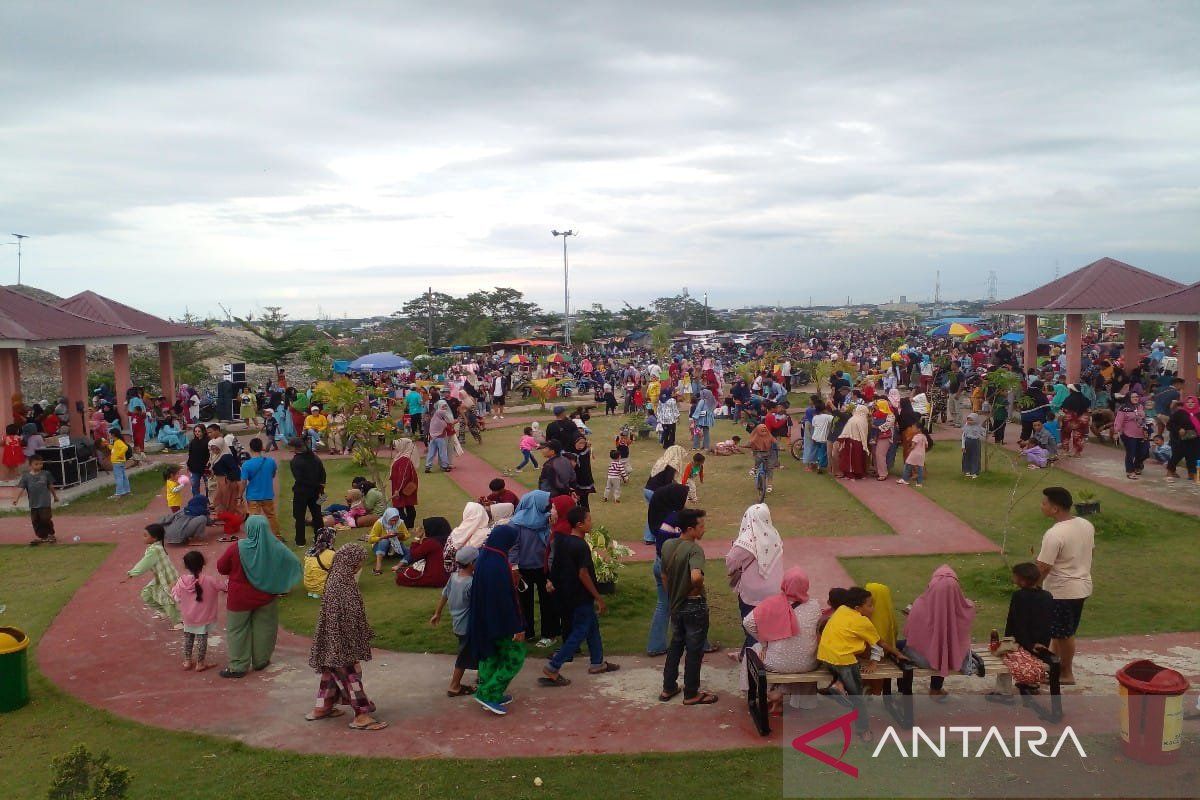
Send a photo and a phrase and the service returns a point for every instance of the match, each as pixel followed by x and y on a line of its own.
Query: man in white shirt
pixel 785 372
pixel 1065 561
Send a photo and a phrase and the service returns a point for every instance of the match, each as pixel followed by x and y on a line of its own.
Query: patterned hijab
pixel 343 635
pixel 758 536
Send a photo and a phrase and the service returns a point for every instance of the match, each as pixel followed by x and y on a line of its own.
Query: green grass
pixel 1144 554
pixel 37 582
pixel 146 484
pixel 802 504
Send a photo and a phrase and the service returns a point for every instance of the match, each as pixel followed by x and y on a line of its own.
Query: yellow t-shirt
pixel 377 532
pixel 118 452
pixel 316 422
pixel 316 570
pixel 846 635
pixel 174 499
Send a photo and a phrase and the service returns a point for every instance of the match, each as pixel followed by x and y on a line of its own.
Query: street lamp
pixel 706 310
pixel 566 290
pixel 19 237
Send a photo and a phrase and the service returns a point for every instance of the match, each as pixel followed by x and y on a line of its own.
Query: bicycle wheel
pixel 798 449
pixel 760 483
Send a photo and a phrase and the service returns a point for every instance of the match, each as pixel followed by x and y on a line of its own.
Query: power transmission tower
pixel 937 289
pixel 991 286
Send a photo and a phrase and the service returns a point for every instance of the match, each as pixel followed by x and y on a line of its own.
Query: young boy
pixel 618 474
pixel 693 476
pixel 457 594
pixel 270 429
pixel 39 485
pixel 1161 451
pixel 821 423
pixel 1030 610
pixel 499 493
pixel 573 582
pixel 683 579
pixel 1044 439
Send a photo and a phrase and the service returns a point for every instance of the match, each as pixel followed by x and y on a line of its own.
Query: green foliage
pixel 606 554
pixel 599 319
pixel 478 318
pixel 318 358
pixel 582 333
pixel 78 775
pixel 280 342
pixel 660 338
pixel 680 311
pixel 637 318
pixel 347 398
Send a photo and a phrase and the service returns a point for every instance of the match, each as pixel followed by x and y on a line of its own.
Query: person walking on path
pixel 197 459
pixel 308 483
pixel 668 417
pixel 259 474
pixel 403 477
pixel 259 568
pixel 441 431
pixel 1065 561
pixel 495 629
pixel 38 484
pixel 341 642
pixel 530 556
pixel 1184 428
pixel 1130 424
pixel 573 580
pixel 683 573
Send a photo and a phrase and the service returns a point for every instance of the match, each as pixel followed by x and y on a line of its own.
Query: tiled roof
pixel 1097 287
pixel 1181 304
pixel 23 318
pixel 97 307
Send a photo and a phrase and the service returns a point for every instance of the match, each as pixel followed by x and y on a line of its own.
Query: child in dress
pixel 196 595
pixel 173 490
pixel 729 447
pixel 914 465
pixel 618 474
pixel 14 452
pixel 1036 457
pixel 157 593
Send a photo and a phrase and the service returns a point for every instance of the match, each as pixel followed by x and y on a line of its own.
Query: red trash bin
pixel 1151 711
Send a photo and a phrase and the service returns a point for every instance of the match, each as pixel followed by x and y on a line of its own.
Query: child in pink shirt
pixel 196 595
pixel 528 446
pixel 914 464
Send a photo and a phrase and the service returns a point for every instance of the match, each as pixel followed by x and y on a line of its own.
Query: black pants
pixel 998 432
pixel 668 435
pixel 1187 451
pixel 409 515
pixel 689 631
pixel 43 522
pixel 1134 458
pixel 535 579
pixel 302 505
pixel 415 424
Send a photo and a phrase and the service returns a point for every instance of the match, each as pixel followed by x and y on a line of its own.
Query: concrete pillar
pixel 166 369
pixel 1132 353
pixel 10 383
pixel 1031 341
pixel 1188 335
pixel 1074 346
pixel 121 380
pixel 72 361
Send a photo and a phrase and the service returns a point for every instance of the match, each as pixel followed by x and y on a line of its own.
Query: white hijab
pixel 501 513
pixel 759 536
pixel 473 529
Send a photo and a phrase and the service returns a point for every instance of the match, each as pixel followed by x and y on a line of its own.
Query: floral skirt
pixel 1026 668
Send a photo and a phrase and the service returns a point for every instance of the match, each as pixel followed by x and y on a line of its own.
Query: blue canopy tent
pixel 379 362
pixel 1060 339
pixel 341 367
pixel 1015 337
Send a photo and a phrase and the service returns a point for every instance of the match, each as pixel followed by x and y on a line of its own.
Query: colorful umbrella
pixel 556 358
pixel 977 335
pixel 953 329
pixel 518 359
pixel 1060 339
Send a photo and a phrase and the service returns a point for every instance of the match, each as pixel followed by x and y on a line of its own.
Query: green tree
pixel 681 310
pixel 660 338
pixel 344 396
pixel 602 321
pixel 637 318
pixel 582 333
pixel 280 342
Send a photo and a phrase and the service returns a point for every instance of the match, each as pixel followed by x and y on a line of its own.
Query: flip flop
pixel 377 725
pixel 462 690
pixel 702 699
pixel 663 697
pixel 608 667
pixel 557 680
pixel 337 712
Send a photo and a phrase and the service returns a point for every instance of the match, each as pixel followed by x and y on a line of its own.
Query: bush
pixel 79 775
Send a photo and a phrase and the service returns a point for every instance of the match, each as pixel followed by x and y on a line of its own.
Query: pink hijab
pixel 939 625
pixel 773 617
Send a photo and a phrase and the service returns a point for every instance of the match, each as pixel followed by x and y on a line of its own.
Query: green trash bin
pixel 14 669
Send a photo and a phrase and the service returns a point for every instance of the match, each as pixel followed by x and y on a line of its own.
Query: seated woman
pixel 345 514
pixel 785 628
pixel 374 501
pixel 182 528
pixel 171 436
pixel 387 537
pixel 425 555
pixel 471 532
pixel 938 631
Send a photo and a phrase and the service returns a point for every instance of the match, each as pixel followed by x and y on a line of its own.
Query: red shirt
pixel 403 473
pixel 503 496
pixel 242 595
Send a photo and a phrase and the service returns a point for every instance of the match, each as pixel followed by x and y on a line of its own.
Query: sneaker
pixel 544 642
pixel 902 482
pixel 496 708
pixel 504 701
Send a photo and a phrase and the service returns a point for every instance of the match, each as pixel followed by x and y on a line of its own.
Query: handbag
pixel 415 570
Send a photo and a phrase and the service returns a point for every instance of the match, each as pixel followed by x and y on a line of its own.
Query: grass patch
pixel 146 484
pixel 1138 545
pixel 802 504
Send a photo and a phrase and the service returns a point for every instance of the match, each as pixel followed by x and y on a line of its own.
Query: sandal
pixel 702 699
pixel 337 712
pixel 373 725
pixel 664 695
pixel 377 571
pixel 556 679
pixel 712 648
pixel 462 690
pixel 606 667
pixel 999 697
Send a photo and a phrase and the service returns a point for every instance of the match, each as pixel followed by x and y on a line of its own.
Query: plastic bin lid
pixel 1150 678
pixel 12 640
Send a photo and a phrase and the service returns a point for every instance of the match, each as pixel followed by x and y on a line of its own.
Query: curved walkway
pixel 106 650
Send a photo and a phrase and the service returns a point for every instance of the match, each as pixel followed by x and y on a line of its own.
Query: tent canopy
pixel 379 362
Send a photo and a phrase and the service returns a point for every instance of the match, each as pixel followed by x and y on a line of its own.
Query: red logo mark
pixel 843 723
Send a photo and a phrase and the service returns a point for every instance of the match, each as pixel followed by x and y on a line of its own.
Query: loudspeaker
pixel 235 373
pixel 225 401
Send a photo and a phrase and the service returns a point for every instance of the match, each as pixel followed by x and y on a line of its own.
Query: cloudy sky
pixel 344 156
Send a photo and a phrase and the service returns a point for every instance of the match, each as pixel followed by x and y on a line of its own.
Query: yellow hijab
pixel 884 617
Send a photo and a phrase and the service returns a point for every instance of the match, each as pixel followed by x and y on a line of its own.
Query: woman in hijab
pixel 938 631
pixel 341 642
pixel 908 422
pixel 754 563
pixel 667 469
pixel 529 555
pixel 764 448
pixel 704 415
pixel 973 436
pixel 496 630
pixel 404 480
pixel 784 627
pixel 228 473
pixel 99 425
pixel 660 518
pixel 852 458
pixel 426 556
pixel 260 568
pixel 1033 409
pixel 1130 424
pixel 883 420
pixel 1076 421
pixel 1183 428
pixel 472 531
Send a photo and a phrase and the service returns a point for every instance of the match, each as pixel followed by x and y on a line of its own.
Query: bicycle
pixel 762 473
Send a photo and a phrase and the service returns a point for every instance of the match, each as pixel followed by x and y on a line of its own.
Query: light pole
pixel 706 310
pixel 566 290
pixel 19 237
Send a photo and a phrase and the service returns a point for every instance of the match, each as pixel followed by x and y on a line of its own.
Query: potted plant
pixel 1087 504
pixel 637 423
pixel 606 558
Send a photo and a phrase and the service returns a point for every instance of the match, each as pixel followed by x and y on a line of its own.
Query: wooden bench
pixel 903 712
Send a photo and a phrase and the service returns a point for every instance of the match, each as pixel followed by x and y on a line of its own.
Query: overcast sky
pixel 345 156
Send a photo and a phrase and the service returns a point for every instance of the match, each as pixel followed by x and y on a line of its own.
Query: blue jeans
pixel 527 458
pixel 438 447
pixel 910 470
pixel 821 454
pixel 197 483
pixel 391 546
pixel 702 438
pixel 648 538
pixel 657 643
pixel 585 626
pixel 122 480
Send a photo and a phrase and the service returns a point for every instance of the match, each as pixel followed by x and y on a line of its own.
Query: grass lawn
pixel 37 582
pixel 801 505
pixel 146 483
pixel 1138 545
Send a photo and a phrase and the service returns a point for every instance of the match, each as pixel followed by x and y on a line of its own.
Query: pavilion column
pixel 1132 353
pixel 1031 341
pixel 122 380
pixel 10 383
pixel 166 369
pixel 1074 347
pixel 1188 333
pixel 72 361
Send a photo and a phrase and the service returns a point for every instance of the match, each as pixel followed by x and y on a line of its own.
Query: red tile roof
pixel 1097 287
pixel 24 319
pixel 1181 304
pixel 103 309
